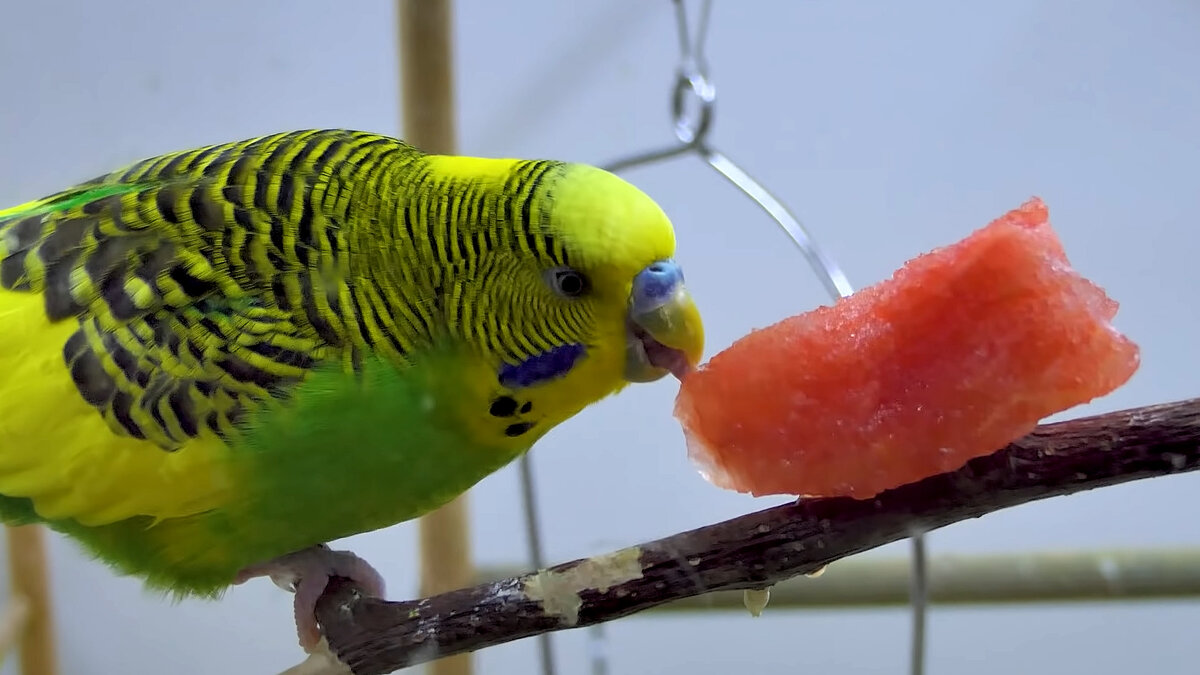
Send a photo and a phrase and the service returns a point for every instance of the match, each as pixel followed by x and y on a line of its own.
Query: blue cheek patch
pixel 541 367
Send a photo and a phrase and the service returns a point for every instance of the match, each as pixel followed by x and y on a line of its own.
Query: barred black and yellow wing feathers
pixel 181 292
pixel 178 323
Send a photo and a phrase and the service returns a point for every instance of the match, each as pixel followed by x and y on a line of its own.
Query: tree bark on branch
pixel 759 549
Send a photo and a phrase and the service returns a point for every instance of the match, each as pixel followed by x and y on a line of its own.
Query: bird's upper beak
pixel 666 334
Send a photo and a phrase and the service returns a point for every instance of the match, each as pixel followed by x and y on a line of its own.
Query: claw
pixel 306 573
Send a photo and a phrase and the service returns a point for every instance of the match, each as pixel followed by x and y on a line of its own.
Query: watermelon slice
pixel 961 351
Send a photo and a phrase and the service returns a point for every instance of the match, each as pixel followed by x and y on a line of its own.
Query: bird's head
pixel 622 285
pixel 574 289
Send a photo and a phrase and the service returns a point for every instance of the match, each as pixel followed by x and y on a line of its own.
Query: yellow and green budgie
pixel 217 360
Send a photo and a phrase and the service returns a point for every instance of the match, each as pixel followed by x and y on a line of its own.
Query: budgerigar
pixel 213 362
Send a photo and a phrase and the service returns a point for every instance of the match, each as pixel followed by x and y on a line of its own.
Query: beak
pixel 665 332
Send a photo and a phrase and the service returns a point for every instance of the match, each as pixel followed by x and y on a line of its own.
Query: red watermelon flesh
pixel 960 352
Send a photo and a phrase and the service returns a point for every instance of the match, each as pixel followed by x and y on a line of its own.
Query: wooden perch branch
pixel 756 550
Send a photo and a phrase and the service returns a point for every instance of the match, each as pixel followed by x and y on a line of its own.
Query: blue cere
pixel 654 285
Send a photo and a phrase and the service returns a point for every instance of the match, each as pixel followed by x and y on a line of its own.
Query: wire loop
pixel 692 102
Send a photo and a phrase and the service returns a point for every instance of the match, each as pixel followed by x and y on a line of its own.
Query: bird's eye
pixel 568 282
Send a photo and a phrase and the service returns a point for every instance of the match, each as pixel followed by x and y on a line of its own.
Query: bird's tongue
pixel 662 356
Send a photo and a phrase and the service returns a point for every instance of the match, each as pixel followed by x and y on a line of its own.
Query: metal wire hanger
pixel 693 100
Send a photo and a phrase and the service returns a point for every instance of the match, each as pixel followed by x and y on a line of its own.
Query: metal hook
pixel 693 96
pixel 692 84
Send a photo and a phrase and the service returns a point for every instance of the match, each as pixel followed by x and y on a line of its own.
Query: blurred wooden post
pixel 28 579
pixel 427 100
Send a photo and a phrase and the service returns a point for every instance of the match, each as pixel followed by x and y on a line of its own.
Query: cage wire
pixel 693 99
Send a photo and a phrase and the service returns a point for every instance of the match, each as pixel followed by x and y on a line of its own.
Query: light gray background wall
pixel 890 128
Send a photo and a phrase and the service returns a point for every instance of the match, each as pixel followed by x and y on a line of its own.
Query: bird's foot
pixel 306 573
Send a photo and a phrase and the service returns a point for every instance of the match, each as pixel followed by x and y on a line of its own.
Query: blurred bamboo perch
pixel 28 619
pixel 759 549
pixel 991 578
pixel 13 620
pixel 426 53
